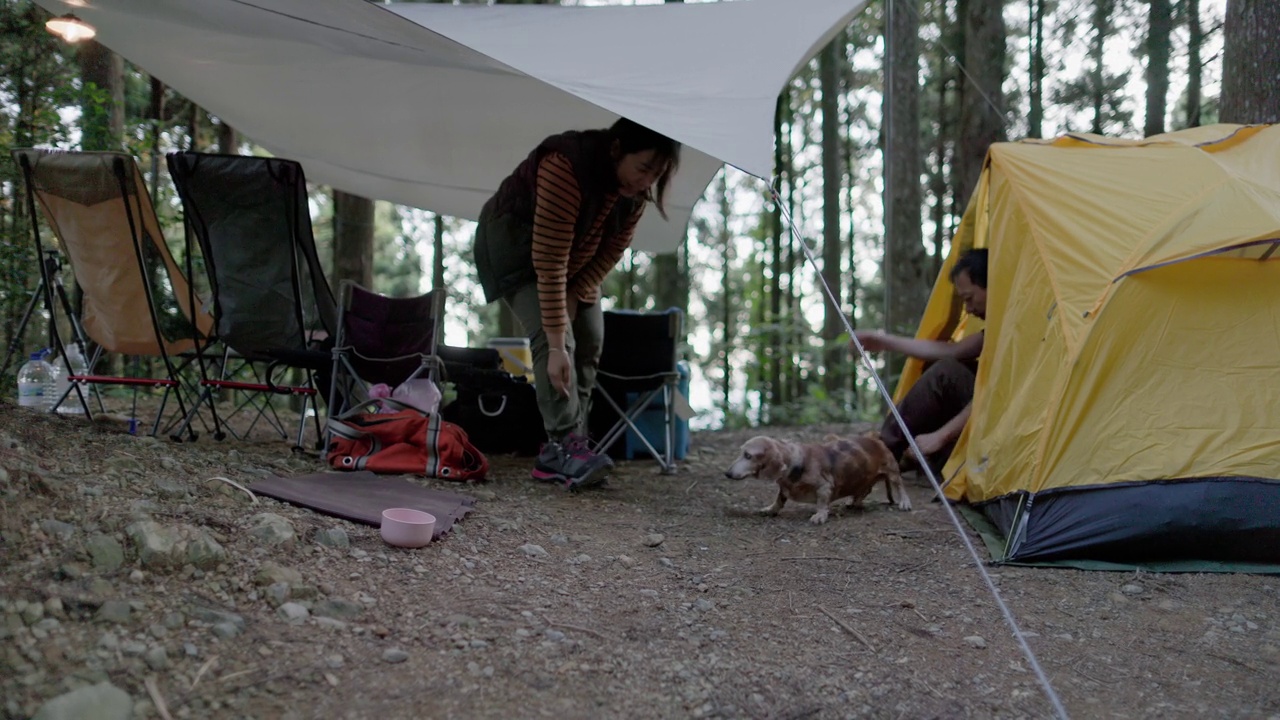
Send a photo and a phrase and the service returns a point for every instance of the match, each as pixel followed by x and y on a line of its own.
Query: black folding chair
pixel 638 370
pixel 383 340
pixel 272 306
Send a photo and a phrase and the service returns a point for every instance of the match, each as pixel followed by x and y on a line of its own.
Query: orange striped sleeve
pixel 557 201
pixel 586 284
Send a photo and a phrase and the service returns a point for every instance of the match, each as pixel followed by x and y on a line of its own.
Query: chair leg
pixel 302 422
pixel 205 394
pixel 164 401
pixel 616 432
pixel 669 431
pixel 320 439
pixel 627 421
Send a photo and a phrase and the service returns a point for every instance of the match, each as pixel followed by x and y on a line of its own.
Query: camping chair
pixel 136 302
pixel 271 303
pixel 382 340
pixel 639 369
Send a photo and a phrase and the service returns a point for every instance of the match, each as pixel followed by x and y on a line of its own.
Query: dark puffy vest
pixel 504 235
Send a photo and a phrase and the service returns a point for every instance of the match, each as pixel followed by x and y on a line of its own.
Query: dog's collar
pixel 796 471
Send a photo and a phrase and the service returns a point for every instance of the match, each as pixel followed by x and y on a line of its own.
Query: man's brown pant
pixel 939 395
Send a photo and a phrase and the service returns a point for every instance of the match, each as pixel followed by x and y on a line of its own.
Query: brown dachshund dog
pixel 822 473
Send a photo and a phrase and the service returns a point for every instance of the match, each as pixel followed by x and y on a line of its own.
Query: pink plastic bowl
pixel 404 527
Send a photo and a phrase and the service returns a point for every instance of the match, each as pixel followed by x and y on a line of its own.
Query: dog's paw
pixel 770 511
pixel 904 502
pixel 819 517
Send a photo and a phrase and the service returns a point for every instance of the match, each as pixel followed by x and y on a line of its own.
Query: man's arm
pixel 965 349
pixel 930 443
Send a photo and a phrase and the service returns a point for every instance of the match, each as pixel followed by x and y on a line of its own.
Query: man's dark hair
pixel 973 262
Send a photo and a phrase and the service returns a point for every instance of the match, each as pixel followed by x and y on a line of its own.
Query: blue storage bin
pixel 650 424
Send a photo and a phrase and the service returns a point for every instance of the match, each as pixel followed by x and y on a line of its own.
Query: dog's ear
pixel 773 457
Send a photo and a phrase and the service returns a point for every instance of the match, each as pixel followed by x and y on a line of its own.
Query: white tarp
pixel 433 105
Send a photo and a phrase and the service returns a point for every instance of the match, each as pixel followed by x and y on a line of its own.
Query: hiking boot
pixel 549 465
pixel 584 468
pixel 571 463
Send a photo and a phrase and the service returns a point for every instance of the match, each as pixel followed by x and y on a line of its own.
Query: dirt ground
pixel 124 564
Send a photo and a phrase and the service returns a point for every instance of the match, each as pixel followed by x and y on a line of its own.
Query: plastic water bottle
pixel 37 383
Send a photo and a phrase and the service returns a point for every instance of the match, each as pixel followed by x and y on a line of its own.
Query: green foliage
pixel 95 118
pixel 37 78
pixel 397 265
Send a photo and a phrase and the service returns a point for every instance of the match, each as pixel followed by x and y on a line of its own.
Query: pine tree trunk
pixel 228 139
pixel 194 128
pixel 1159 27
pixel 352 239
pixel 437 253
pixel 851 296
pixel 627 300
pixel 1195 41
pixel 982 106
pixel 1251 62
pixel 774 347
pixel 832 177
pixel 938 189
pixel 156 113
pixel 728 313
pixel 102 103
pixel 1035 119
pixel 1097 52
pixel 669 279
pixel 905 260
pixel 793 327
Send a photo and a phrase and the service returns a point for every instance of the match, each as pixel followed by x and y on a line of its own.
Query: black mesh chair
pixel 272 307
pixel 638 372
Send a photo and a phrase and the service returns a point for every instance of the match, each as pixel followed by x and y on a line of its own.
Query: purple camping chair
pixel 382 340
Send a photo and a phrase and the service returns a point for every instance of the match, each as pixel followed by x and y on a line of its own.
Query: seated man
pixel 937 406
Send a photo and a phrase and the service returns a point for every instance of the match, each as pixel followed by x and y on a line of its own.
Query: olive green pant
pixel 583 340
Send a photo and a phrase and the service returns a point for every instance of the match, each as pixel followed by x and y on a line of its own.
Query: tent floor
pixel 995 541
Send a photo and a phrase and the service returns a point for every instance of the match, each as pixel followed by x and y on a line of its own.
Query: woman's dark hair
pixel 632 137
pixel 973 262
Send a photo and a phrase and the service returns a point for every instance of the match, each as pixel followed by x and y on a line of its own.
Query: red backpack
pixel 407 441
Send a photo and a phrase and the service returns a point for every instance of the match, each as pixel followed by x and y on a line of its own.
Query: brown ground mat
pixel 362 496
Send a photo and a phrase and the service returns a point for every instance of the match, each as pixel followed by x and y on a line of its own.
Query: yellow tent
pixel 1127 404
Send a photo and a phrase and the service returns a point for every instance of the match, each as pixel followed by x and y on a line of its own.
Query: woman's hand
pixel 560 370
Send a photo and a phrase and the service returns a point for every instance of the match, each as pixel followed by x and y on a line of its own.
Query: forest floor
pixel 654 597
